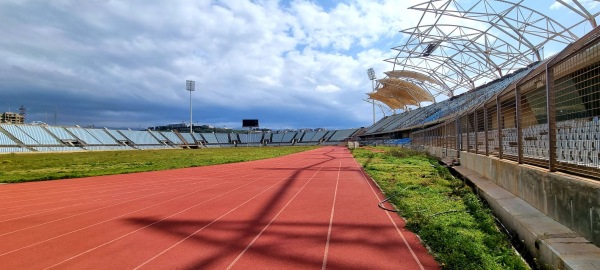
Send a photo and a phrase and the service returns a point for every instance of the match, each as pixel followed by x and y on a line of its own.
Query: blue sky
pixel 292 64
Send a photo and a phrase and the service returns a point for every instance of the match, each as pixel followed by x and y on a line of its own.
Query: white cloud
pixel 589 4
pixel 288 64
pixel 329 88
pixel 350 24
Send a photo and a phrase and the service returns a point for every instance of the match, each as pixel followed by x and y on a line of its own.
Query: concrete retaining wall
pixel 572 201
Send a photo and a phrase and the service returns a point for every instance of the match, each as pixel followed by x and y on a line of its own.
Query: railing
pixel 549 118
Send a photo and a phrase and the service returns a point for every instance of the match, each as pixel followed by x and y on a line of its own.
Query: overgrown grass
pixel 49 166
pixel 450 219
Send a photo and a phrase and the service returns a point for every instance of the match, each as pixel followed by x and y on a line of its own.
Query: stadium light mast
pixel 371 74
pixel 190 86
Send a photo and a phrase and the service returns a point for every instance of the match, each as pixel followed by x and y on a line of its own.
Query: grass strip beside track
pixel 48 166
pixel 445 213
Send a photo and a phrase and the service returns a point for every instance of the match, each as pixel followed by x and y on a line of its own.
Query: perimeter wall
pixel 571 200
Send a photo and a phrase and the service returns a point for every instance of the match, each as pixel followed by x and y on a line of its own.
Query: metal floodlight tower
pixel 371 74
pixel 190 86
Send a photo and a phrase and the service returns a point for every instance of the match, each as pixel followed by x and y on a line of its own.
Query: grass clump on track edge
pixel 48 166
pixel 459 230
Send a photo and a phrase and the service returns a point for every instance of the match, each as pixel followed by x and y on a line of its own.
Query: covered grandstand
pixel 457 46
pixel 443 57
pixel 528 139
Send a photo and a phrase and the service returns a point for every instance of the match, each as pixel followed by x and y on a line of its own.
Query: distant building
pixel 12 118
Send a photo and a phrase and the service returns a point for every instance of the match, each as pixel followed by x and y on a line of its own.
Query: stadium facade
pixel 529 140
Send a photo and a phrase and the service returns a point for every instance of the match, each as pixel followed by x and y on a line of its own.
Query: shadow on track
pixel 246 231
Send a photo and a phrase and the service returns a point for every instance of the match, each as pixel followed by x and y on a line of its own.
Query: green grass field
pixel 49 166
pixel 445 213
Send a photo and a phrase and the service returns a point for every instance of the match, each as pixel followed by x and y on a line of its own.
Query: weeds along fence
pixel 549 118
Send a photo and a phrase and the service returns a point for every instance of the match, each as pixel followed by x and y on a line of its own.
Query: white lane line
pixel 88 186
pixel 97 199
pixel 54 200
pixel 45 211
pixel 107 220
pixel 90 211
pixel 149 225
pixel 81 187
pixel 364 176
pixel 324 266
pixel 273 219
pixel 207 225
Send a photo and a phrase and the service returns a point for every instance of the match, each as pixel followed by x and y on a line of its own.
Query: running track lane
pixel 312 210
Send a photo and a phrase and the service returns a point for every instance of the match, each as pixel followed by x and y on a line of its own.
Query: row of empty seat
pixel 577 142
pixel 38 138
pixel 434 112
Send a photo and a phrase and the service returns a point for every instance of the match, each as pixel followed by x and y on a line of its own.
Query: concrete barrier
pixel 556 215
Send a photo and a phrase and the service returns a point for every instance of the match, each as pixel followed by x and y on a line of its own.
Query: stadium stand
pixel 6 141
pixel 328 135
pixel 143 139
pixel 172 137
pixel 189 139
pixel 199 138
pixel 83 136
pixel 308 136
pixel 524 137
pixel 39 134
pixel 252 139
pixel 267 137
pixel 299 136
pixel 6 150
pixel 102 136
pixel 97 139
pixel 36 138
pixel 117 136
pixel 318 136
pixel 222 138
pixel 341 135
pixel 210 138
pixel 159 136
pixel 288 138
pixel 277 138
pixel 19 134
pixel 433 113
pixel 61 134
pixel 57 149
pixel 233 138
pixel 382 123
pixel 335 137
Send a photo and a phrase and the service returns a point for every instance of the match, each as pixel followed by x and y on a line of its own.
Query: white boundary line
pixel 388 215
pixel 149 225
pixel 45 211
pixel 51 200
pixel 273 219
pixel 88 184
pixel 84 184
pixel 207 225
pixel 98 198
pixel 93 210
pixel 107 220
pixel 324 266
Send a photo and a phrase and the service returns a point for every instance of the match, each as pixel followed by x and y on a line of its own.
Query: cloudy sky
pixel 291 64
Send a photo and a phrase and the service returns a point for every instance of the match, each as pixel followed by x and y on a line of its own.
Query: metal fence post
pixel 500 124
pixel 485 129
pixel 518 124
pixel 551 106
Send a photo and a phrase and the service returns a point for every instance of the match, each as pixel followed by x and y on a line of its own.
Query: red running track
pixel 312 210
